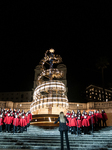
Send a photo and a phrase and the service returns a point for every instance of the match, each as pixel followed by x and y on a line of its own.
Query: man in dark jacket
pixel 63 128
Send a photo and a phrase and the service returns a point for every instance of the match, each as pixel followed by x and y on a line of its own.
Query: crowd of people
pixel 14 121
pixel 85 123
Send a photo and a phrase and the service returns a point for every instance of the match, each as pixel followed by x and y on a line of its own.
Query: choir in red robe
pixel 14 121
pixel 84 122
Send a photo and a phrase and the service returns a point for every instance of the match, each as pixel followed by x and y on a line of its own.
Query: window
pixel 106 96
pixel 90 97
pixel 94 97
pixel 109 97
pixel 99 91
pixel 86 91
pixel 109 94
pixel 95 93
pixel 100 95
pixel 92 92
pixel 92 89
pixel 95 90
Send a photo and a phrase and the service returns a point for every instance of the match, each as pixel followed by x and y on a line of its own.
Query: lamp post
pixel 77 118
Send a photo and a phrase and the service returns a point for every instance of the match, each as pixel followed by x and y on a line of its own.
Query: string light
pixel 48 104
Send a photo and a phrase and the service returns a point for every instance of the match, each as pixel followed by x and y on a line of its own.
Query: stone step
pixel 69 134
pixel 57 140
pixel 50 143
pixel 56 148
pixel 54 138
pixel 53 146
pixel 37 138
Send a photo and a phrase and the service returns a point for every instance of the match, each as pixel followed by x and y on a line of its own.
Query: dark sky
pixel 79 31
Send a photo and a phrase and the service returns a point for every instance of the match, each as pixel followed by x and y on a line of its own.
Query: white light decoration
pixel 51 93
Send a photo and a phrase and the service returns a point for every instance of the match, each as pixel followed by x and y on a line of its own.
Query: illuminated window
pixel 109 97
pixel 106 96
pixel 92 92
pixel 90 97
pixel 106 93
pixel 100 95
pixel 95 90
pixel 92 89
pixel 99 91
pixel 86 91
pixel 109 94
pixel 95 93
pixel 106 100
pixel 100 99
pixel 102 91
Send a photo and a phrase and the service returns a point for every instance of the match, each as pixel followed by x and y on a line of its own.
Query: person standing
pixel 7 122
pixel 1 123
pixel 85 124
pixel 15 124
pixel 73 125
pixel 22 124
pixel 104 118
pixel 79 124
pixel 27 121
pixel 30 117
pixel 63 128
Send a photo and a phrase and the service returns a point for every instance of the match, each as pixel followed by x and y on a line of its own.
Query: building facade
pixel 23 96
pixel 98 94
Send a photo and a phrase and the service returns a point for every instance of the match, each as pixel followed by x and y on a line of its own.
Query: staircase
pixel 38 138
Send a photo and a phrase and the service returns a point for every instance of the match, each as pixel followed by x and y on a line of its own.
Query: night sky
pixel 79 31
